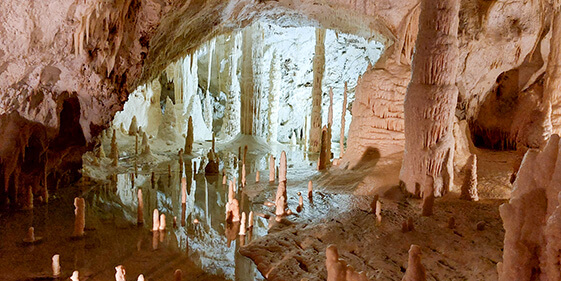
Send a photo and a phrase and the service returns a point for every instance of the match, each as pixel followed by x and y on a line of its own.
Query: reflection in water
pixel 189 196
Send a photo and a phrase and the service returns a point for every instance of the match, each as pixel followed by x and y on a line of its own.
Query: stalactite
pixel 318 67
pixel 430 102
pixel 343 113
pixel 247 84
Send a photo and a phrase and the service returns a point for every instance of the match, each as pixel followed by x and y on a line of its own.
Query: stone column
pixel 247 83
pixel 430 101
pixel 318 67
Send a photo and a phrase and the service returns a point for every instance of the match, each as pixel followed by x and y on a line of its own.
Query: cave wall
pixel 98 51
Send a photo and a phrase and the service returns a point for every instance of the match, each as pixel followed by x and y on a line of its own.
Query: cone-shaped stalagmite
pixel 189 137
pixel 282 167
pixel 415 269
pixel 469 187
pixel 430 101
pixel 318 67
pixel 133 128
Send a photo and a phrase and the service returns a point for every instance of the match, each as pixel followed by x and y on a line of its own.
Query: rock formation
pixel 271 168
pixel 155 221
pixel 56 265
pixel 133 128
pixel 469 186
pixel 338 270
pixel 325 151
pixel 80 217
pixel 282 167
pixel 343 113
pixel 530 218
pixel 430 101
pixel 120 273
pixel 140 208
pixel 415 269
pixel 189 137
pixel 319 66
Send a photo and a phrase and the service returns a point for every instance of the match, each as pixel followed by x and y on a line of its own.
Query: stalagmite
pixel 430 101
pixel 100 152
pixel 31 238
pixel 250 220
pixel 343 113
pixel 282 167
pixel 140 208
pixel 145 145
pixel 75 276
pixel 140 278
pixel 133 128
pixel 114 149
pixel 415 269
pixel 224 178
pixel 300 203
pixel 56 265
pixel 469 186
pixel 330 108
pixel 120 273
pixel 232 207
pixel 242 225
pixel 243 175
pixel 189 138
pixel 177 275
pixel 318 68
pixel 162 226
pixel 156 220
pixel 180 161
pixel 428 199
pixel 280 199
pixel 183 190
pixel 325 153
pixel 310 190
pixel 338 270
pixel 29 202
pixel 257 176
pixel 80 217
pixel 271 168
pixel 378 212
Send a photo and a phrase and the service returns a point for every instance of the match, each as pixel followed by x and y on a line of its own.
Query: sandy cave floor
pixel 340 214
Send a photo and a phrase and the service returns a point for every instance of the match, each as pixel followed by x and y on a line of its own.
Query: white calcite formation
pixel 80 217
pixel 429 141
pixel 120 273
pixel 56 265
pixel 155 220
pixel 75 276
pixel 531 218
